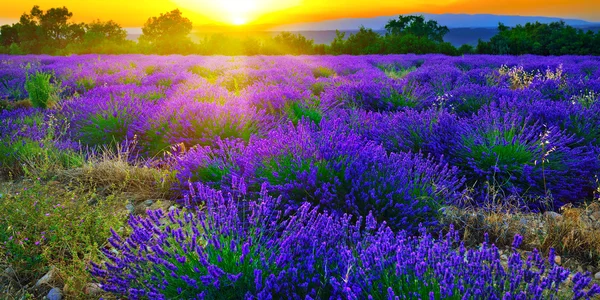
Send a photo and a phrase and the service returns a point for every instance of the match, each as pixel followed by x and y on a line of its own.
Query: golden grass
pixel 113 171
pixel 574 233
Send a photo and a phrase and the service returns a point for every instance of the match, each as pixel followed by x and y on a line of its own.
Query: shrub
pixel 41 91
pixel 86 83
pixel 212 165
pixel 108 123
pixel 344 173
pixel 370 95
pixel 430 132
pixel 208 74
pixel 395 71
pixel 318 87
pixel 523 159
pixel 319 72
pixel 191 123
pixel 34 144
pixel 46 224
pixel 296 112
pixel 245 249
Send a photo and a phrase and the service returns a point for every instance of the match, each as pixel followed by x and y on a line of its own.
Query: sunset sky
pixel 133 13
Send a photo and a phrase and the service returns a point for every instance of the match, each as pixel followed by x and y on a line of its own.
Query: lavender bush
pixel 236 248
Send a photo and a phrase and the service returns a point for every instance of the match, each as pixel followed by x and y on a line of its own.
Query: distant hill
pixel 456 36
pixel 450 20
pixel 464 29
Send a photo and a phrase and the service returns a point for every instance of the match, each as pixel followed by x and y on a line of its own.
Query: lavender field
pixel 291 177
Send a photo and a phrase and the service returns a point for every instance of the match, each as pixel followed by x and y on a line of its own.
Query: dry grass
pixel 574 233
pixel 6 104
pixel 114 171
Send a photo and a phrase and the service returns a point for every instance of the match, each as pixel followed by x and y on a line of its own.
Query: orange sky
pixel 133 13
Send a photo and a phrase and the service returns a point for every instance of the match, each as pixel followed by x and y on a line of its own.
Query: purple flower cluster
pixel 350 133
pixel 240 248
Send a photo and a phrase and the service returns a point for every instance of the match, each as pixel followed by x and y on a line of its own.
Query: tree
pixel 98 31
pixel 466 49
pixel 338 45
pixel 365 41
pixel 555 38
pixel 288 43
pixel 168 33
pixel 417 26
pixel 48 30
pixel 8 35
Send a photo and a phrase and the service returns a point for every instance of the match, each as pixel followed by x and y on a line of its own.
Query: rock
pixel 54 294
pixel 553 216
pixel 503 257
pixel 579 269
pixel 558 260
pixel 130 207
pixel 172 207
pixel 92 289
pixel 149 202
pixel 597 276
pixel 10 273
pixel 46 279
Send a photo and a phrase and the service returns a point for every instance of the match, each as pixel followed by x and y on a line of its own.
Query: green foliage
pixel 208 74
pixel 320 72
pixel 511 155
pixel 396 72
pixel 318 87
pixel 288 43
pixel 8 35
pixel 38 159
pixel 466 49
pixel 41 91
pixel 168 33
pixel 51 32
pixel 99 31
pixel 45 31
pixel 555 38
pixel 401 100
pixel 209 173
pixel 587 99
pixel 338 45
pixel 296 112
pixel 45 224
pixel 284 169
pixel 86 83
pixel 105 127
pixel 365 41
pixel 417 26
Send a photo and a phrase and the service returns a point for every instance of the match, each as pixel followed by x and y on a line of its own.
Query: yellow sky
pixel 133 13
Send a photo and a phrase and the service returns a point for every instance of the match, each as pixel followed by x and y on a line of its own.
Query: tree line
pixel 53 32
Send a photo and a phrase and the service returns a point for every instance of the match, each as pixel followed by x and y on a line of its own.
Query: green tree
pixel 466 49
pixel 417 26
pixel 289 43
pixel 44 31
pixel 168 33
pixel 338 45
pixel 555 38
pixel 365 41
pixel 99 31
pixel 8 35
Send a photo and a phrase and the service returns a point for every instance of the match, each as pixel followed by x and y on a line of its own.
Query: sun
pixel 235 12
pixel 238 21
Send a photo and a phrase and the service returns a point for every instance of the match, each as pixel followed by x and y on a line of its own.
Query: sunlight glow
pixel 238 21
pixel 236 12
